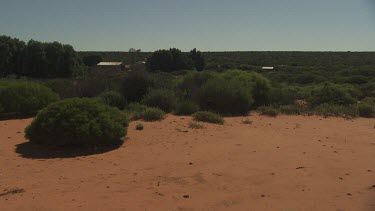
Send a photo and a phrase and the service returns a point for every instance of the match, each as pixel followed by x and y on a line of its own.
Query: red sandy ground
pixel 283 163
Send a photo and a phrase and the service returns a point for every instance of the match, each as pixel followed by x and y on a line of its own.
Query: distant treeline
pixel 248 59
pixel 37 59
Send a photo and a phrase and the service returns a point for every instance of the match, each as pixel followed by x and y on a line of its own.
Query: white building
pixel 109 66
pixel 268 68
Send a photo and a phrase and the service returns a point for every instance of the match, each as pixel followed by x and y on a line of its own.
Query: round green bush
pixel 206 116
pixel 139 127
pixel 78 122
pixel 159 98
pixel 113 99
pixel 26 97
pixel 331 94
pixel 225 96
pixel 257 85
pixel 153 114
pixel 186 107
pixel 366 110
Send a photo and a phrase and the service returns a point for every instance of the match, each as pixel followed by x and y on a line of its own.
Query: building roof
pixel 109 63
pixel 267 68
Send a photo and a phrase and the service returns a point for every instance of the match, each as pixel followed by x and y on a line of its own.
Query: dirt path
pixel 283 163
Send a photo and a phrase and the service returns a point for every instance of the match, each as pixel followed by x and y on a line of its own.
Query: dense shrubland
pixel 323 83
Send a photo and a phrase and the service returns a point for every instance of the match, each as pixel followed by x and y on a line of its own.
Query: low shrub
pixel 186 107
pixel 113 99
pixel 369 100
pixel 131 107
pixel 326 109
pixel 139 127
pixel 366 110
pixel 194 125
pixel 135 111
pixel 153 114
pixel 26 97
pixel 268 111
pixel 206 116
pixel 159 98
pixel 78 122
pixel 291 109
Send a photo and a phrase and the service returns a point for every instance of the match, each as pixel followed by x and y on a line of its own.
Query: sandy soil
pixel 283 163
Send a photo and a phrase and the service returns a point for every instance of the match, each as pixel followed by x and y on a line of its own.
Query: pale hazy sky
pixel 209 25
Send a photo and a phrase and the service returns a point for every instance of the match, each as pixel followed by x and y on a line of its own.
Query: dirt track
pixel 283 163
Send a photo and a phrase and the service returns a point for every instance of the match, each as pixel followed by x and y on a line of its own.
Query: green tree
pixel 92 59
pixel 198 59
pixel 169 60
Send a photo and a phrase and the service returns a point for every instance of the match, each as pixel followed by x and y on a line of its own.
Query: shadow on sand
pixel 33 151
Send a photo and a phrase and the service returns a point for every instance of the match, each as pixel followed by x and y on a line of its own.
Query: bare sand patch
pixel 283 163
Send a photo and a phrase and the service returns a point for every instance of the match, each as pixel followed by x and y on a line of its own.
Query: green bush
pixel 191 83
pixel 291 109
pixel 228 97
pixel 331 94
pixel 163 99
pixel 64 87
pixel 268 111
pixel 153 114
pixel 135 111
pixel 206 116
pixel 1 109
pixel 369 100
pixel 258 86
pixel 366 110
pixel 284 95
pixel 135 85
pixel 131 107
pixel 139 127
pixel 186 107
pixel 26 97
pixel 113 99
pixel 163 80
pixel 326 109
pixel 78 122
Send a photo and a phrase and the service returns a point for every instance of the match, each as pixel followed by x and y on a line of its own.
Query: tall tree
pixel 169 60
pixel 198 59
